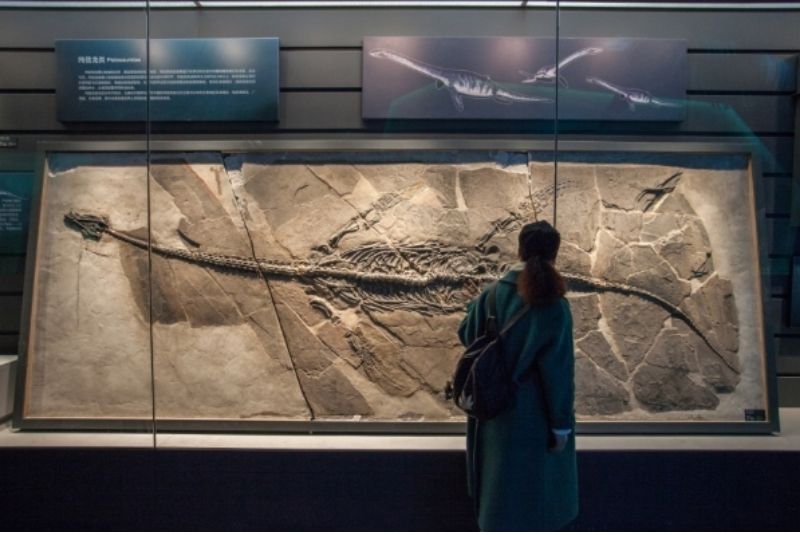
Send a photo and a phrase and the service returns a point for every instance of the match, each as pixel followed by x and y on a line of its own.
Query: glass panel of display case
pixel 665 286
pixel 323 287
pixel 692 226
pixel 295 275
pixel 84 363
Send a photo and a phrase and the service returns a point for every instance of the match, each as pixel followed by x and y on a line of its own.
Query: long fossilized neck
pixel 303 269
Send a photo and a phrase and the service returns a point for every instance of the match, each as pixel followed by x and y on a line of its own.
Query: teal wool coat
pixel 519 485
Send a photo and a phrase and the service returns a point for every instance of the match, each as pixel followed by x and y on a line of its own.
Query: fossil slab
pixel 307 287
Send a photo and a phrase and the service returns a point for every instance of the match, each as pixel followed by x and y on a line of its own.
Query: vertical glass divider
pixel 555 125
pixel 149 228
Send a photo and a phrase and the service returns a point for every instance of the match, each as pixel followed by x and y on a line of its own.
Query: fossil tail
pixel 581 283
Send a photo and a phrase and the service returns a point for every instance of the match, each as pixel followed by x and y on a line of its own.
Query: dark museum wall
pixel 742 61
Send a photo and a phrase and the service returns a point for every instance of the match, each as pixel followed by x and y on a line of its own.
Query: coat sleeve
pixel 472 325
pixel 556 366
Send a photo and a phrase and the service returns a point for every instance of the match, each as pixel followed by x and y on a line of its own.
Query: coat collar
pixel 510 276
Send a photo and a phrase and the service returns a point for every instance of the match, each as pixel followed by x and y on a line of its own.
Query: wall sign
pixel 15 194
pixel 190 80
pixel 516 78
pixel 8 142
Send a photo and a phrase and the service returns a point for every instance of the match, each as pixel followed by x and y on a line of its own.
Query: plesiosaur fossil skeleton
pixel 359 276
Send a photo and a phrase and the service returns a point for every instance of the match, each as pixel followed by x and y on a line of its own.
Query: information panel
pixel 189 80
pixel 15 194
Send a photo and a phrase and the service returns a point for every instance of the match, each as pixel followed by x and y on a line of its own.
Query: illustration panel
pixel 520 78
pixel 329 286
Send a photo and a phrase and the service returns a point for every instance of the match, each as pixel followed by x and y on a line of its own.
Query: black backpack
pixel 482 384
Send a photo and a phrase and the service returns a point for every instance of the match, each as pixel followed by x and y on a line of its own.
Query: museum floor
pixel 91 481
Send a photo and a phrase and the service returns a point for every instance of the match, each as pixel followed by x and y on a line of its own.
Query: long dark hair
pixel 540 283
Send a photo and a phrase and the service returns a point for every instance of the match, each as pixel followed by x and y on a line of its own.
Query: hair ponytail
pixel 540 283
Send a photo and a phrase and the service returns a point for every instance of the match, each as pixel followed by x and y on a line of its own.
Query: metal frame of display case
pixel 396 144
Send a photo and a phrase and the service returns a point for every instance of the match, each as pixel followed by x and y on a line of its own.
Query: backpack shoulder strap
pixel 491 311
pixel 491 300
pixel 492 326
pixel 516 317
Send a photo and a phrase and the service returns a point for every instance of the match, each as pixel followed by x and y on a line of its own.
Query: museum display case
pixel 327 287
pixel 276 224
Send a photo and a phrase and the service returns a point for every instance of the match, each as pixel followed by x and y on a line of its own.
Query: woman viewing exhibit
pixel 521 463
